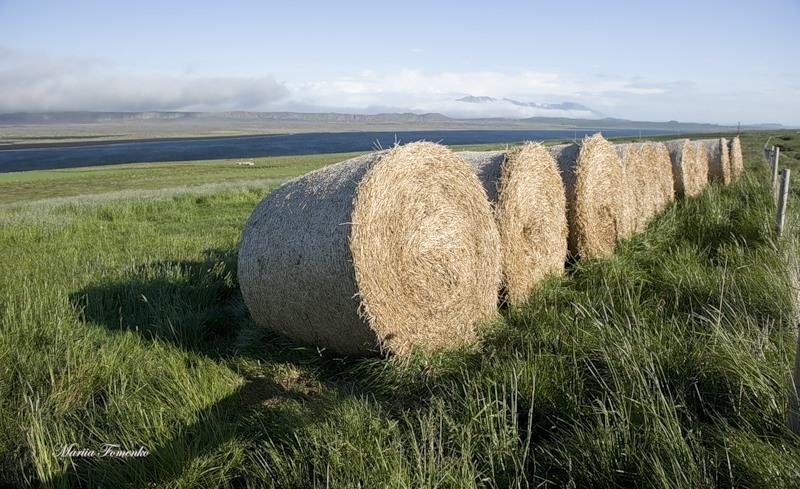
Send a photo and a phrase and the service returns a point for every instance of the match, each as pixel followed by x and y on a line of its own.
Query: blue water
pixel 241 147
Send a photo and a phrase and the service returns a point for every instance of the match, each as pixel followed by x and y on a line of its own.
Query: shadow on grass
pixel 257 402
pixel 197 307
pixel 189 304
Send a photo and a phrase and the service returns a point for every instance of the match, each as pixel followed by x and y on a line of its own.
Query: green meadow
pixel 128 359
pixel 18 187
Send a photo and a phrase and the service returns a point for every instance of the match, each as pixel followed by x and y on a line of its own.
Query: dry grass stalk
pixel 527 193
pixel 380 253
pixel 598 212
pixel 719 164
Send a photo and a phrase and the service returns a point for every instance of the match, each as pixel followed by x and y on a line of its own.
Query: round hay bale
pixel 689 173
pixel 719 164
pixel 487 166
pixel 377 254
pixel 735 154
pixel 701 166
pixel 637 177
pixel 679 150
pixel 658 154
pixel 598 213
pixel 648 173
pixel 529 203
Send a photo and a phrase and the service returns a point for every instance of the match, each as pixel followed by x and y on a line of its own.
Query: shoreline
pixel 132 140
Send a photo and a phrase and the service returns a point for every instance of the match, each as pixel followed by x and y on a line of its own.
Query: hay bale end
pixel 381 253
pixel 529 203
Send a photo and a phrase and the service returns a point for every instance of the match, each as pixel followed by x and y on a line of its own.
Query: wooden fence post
pixel 774 167
pixel 783 194
pixel 775 171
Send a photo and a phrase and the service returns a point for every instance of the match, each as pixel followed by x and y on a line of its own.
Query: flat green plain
pixel 667 364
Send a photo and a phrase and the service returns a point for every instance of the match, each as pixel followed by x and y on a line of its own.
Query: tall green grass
pixel 665 365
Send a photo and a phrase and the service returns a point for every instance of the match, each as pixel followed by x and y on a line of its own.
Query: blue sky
pixel 698 61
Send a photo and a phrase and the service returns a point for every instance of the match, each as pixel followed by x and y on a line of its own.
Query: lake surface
pixel 243 147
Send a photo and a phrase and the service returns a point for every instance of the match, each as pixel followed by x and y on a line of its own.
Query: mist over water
pixel 101 153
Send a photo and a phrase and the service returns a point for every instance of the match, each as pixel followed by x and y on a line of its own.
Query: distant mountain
pixel 563 109
pixel 564 115
pixel 476 100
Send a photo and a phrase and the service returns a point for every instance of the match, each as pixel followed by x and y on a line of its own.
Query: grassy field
pixel 26 186
pixel 41 184
pixel 666 365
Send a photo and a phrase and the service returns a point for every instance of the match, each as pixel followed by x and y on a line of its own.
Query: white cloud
pixel 502 108
pixel 417 91
pixel 30 83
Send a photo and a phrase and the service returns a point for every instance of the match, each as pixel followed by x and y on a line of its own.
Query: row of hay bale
pixel 382 252
pixel 413 246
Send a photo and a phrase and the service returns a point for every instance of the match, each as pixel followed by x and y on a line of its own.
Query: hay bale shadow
pixel 259 402
pixel 197 307
pixel 194 305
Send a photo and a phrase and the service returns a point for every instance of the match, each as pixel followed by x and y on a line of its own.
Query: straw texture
pixel 737 162
pixel 598 212
pixel 658 154
pixel 529 203
pixel 379 253
pixel 648 173
pixel 700 166
pixel 689 167
pixel 719 161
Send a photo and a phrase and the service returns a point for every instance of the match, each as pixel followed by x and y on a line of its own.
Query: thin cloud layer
pixel 31 84
pixel 415 91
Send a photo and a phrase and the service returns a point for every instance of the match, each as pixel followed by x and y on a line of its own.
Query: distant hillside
pixel 242 122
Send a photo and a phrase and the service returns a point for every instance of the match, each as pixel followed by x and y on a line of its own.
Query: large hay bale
pixel 636 179
pixel 379 253
pixel 679 150
pixel 527 193
pixel 719 161
pixel 657 153
pixel 689 172
pixel 737 162
pixel 598 212
pixel 648 173
pixel 701 166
